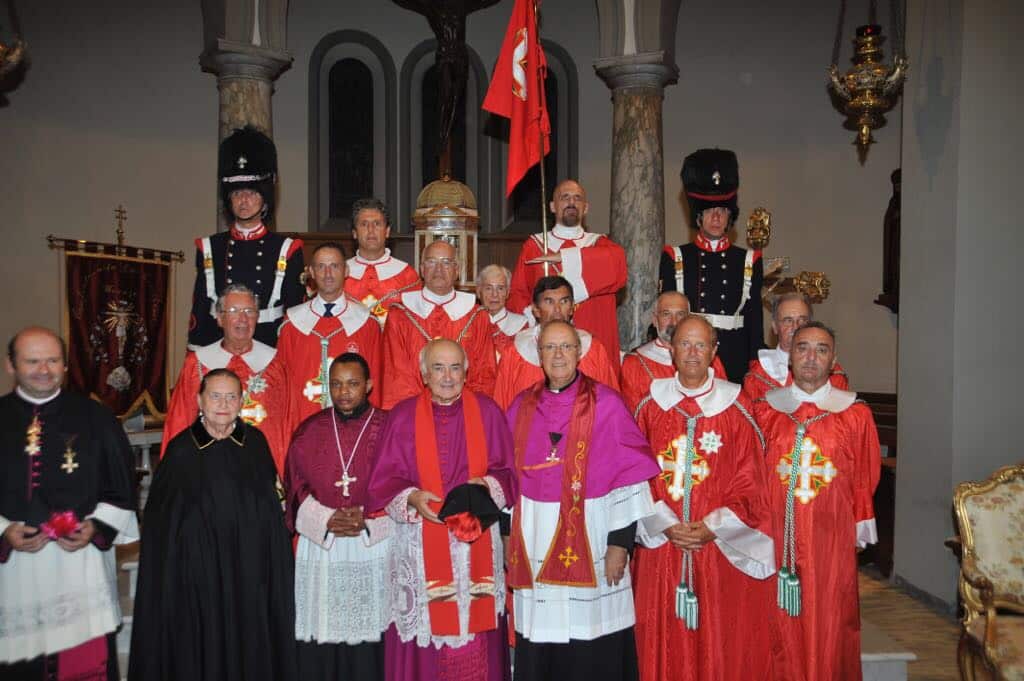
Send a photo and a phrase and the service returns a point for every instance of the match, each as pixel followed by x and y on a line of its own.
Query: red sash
pixel 437 557
pixel 569 561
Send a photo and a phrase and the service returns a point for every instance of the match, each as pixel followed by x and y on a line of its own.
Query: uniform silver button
pixel 723 296
pixel 703 266
pixel 703 279
pixel 724 281
pixel 230 254
pixel 231 241
pixel 723 265
pixel 702 309
pixel 229 281
pixel 258 281
pixel 259 252
pixel 229 267
pixel 259 267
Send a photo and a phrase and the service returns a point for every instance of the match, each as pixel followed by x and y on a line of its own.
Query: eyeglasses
pixel 794 321
pixel 245 311
pixel 229 398
pixel 550 348
pixel 444 262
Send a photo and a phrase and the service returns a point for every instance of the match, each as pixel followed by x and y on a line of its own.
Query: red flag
pixel 517 93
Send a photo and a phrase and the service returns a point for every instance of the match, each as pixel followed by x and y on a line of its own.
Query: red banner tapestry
pixel 117 323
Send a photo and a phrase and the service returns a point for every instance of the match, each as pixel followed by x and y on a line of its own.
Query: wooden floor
pixel 922 631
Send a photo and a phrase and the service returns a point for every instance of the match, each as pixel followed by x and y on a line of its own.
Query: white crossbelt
pixel 271 313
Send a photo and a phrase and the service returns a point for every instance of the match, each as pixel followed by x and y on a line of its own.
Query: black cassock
pixel 215 597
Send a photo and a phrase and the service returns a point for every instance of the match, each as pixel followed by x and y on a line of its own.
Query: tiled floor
pixel 927 634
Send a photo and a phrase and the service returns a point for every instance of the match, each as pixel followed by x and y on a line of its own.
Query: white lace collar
pixel 387 266
pixel 656 351
pixel 713 396
pixel 352 315
pixel 214 356
pixel 775 362
pixel 526 344
pixel 509 323
pixel 458 305
pixel 828 398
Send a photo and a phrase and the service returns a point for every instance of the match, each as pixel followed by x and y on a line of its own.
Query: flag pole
pixel 540 136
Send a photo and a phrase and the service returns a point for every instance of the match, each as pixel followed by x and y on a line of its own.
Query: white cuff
pixel 650 532
pixel 311 522
pixel 4 524
pixel 572 270
pixel 121 519
pixel 750 551
pixel 867 533
pixel 497 493
pixel 399 508
pixel 377 530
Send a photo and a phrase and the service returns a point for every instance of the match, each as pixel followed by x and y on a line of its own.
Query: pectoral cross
pixel 345 481
pixel 553 454
pixel 69 464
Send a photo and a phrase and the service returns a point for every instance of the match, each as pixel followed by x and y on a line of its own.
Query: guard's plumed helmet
pixel 248 160
pixel 711 178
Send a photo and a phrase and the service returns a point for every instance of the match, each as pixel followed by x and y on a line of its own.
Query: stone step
pixel 882 658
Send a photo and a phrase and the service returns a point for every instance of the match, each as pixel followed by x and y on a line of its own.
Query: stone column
pixel 637 219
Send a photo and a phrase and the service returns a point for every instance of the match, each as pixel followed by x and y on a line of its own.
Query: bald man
pixel 68 495
pixel 436 310
pixel 433 443
pixel 594 265
pixel 653 360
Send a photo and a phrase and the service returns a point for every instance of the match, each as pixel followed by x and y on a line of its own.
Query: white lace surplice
pixel 407 585
pixel 54 600
pixel 549 613
pixel 339 592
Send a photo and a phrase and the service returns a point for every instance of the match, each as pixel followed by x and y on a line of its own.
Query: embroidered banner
pixel 117 326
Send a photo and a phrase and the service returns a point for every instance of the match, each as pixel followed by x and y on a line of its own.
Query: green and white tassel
pixel 687 608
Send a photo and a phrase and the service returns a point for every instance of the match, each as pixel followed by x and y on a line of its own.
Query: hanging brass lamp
pixel 871 87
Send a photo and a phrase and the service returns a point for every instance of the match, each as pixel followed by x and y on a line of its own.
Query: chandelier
pixel 871 87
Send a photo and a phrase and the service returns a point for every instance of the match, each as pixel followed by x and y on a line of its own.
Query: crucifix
pixel 69 464
pixel 447 19
pixel 345 481
pixel 553 454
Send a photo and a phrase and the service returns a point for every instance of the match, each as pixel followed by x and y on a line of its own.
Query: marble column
pixel 637 218
pixel 245 81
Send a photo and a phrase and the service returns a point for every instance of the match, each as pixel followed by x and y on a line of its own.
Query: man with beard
pixel 593 264
pixel 823 448
pixel 520 365
pixel 703 597
pixel 340 569
pixel 66 497
pixel 435 311
pixel 317 331
pixel 652 360
pixel 770 370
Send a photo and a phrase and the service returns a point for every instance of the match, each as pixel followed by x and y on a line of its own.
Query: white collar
pixel 214 356
pixel 526 344
pixel 422 302
pixel 775 362
pixel 827 398
pixel 656 351
pixel 38 401
pixel 713 396
pixel 386 265
pixel 509 323
pixel 568 233
pixel 556 237
pixel 305 316
pixel 250 230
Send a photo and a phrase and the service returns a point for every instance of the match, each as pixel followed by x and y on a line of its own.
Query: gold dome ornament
pixel 871 87
pixel 446 210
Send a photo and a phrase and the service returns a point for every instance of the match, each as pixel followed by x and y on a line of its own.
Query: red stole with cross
pixel 569 561
pixel 437 557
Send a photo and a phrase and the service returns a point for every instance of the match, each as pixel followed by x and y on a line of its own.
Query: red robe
pixel 729 494
pixel 265 404
pixel 648 362
pixel 758 381
pixel 299 350
pixel 594 265
pixel 833 514
pixel 379 281
pixel 414 322
pixel 520 365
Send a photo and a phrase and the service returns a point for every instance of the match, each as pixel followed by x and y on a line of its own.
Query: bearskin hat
pixel 248 160
pixel 711 178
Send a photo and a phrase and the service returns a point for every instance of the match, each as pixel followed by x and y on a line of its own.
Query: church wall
pixel 132 104
pixel 961 243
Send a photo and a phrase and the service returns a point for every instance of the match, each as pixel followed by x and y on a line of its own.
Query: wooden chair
pixel 990 515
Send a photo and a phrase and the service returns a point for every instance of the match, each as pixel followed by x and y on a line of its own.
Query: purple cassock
pixel 411 652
